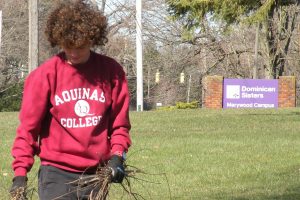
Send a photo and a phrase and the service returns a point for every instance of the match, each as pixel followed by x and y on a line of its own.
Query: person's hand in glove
pixel 18 187
pixel 118 171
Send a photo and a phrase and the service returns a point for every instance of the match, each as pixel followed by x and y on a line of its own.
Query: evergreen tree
pixel 277 17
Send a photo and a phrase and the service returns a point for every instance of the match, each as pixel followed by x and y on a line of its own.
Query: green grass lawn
pixel 201 154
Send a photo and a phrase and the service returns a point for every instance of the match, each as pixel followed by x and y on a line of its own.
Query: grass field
pixel 201 154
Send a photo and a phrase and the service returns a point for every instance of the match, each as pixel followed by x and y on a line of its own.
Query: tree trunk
pixel 270 70
pixel 279 31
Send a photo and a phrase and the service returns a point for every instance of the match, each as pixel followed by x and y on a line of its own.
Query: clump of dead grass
pixel 101 182
pixel 19 194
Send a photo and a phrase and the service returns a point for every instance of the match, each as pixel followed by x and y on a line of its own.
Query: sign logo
pixel 82 108
pixel 233 91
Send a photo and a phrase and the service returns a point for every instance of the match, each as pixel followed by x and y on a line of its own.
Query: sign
pixel 250 93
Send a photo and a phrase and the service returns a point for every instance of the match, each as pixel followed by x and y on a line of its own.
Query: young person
pixel 74 113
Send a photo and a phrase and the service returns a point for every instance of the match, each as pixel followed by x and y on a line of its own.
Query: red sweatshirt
pixel 72 117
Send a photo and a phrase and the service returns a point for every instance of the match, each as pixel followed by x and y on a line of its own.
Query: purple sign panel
pixel 250 93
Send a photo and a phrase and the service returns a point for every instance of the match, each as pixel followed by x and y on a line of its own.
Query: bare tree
pixel 14 40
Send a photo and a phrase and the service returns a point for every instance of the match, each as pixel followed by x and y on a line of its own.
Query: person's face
pixel 77 55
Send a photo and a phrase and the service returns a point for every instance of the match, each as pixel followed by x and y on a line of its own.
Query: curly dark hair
pixel 75 23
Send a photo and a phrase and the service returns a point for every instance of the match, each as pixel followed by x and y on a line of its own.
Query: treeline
pixel 177 49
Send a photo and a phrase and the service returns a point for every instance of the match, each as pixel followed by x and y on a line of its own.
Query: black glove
pixel 118 171
pixel 18 187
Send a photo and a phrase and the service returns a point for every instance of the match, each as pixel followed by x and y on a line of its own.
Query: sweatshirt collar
pixel 62 55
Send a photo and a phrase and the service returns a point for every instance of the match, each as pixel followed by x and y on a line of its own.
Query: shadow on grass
pixel 293 194
pixel 289 194
pixel 269 114
pixel 288 189
pixel 296 113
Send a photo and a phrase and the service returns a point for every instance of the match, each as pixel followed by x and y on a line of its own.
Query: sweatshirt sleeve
pixel 33 109
pixel 120 124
